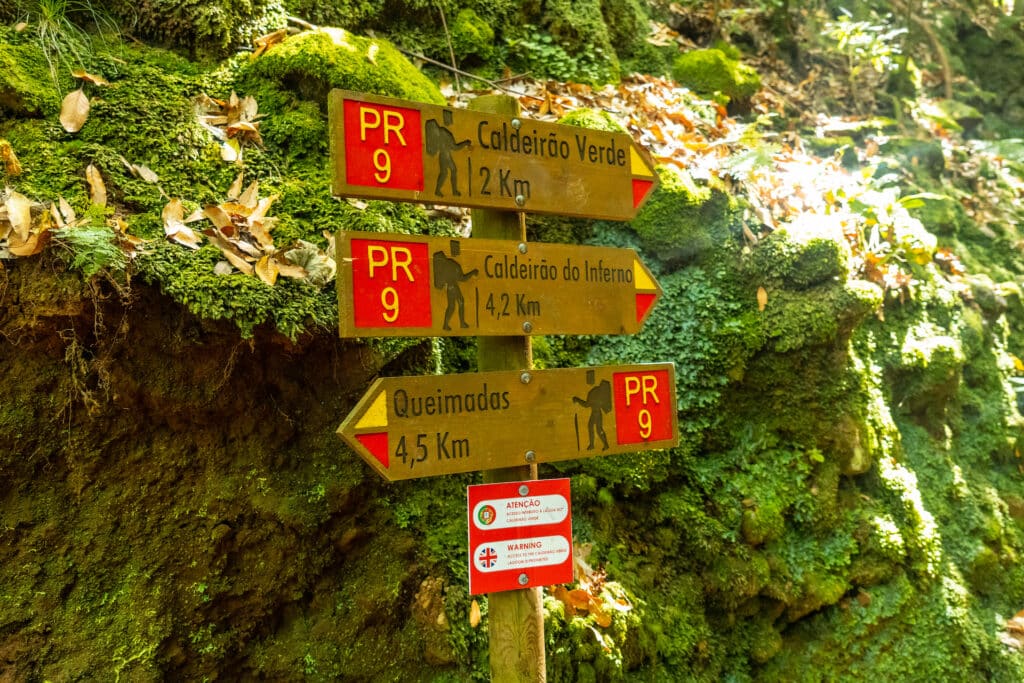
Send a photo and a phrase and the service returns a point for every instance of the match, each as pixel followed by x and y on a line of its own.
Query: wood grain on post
pixel 515 618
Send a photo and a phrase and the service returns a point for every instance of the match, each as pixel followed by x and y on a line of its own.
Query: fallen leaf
pixel 97 190
pixel 89 78
pixel 250 198
pixel 30 246
pixel 146 174
pixel 12 166
pixel 474 614
pixel 220 218
pixel 601 617
pixel 66 212
pixel 19 213
pixel 175 228
pixel 20 26
pixel 74 111
pixel 231 151
pixel 762 298
pixel 223 268
pixel 266 270
pixel 579 599
pixel 236 187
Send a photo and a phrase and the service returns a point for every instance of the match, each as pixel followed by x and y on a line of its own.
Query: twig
pixel 494 84
pixel 451 49
pixel 302 23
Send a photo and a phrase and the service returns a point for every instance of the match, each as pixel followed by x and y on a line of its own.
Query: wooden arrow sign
pixel 383 148
pixel 405 286
pixel 412 427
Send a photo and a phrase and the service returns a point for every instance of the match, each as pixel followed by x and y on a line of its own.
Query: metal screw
pixel 520 200
pixel 523 579
pixel 524 490
pixel 516 123
pixel 530 456
pixel 527 327
pixel 522 247
pixel 525 378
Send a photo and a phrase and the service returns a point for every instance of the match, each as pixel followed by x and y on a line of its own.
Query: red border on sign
pixel 487 547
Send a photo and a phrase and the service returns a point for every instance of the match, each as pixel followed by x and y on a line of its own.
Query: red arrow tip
pixel 377 444
pixel 640 189
pixel 643 304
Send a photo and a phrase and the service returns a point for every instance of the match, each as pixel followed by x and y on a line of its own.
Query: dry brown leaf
pixel 236 187
pixel 288 269
pixel 601 617
pixel 231 151
pixel 266 270
pixel 146 174
pixel 66 212
pixel 89 78
pixel 30 246
pixel 20 26
pixel 762 298
pixel 250 198
pixel 229 250
pixel 474 614
pixel 12 166
pixel 97 189
pixel 74 111
pixel 220 218
pixel 580 599
pixel 175 229
pixel 264 43
pixel 19 213
pixel 258 231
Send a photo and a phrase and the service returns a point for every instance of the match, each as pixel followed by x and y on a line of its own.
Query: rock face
pixel 846 498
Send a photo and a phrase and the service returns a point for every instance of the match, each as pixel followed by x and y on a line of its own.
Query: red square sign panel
pixel 390 283
pixel 520 535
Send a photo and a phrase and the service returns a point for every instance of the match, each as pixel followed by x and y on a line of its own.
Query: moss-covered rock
pixel 596 119
pixel 711 70
pixel 472 37
pixel 683 218
pixel 205 27
pixel 312 63
pixel 27 86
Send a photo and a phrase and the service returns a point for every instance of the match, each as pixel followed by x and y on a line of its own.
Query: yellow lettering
pixel 404 265
pixel 378 251
pixel 390 127
pixel 366 114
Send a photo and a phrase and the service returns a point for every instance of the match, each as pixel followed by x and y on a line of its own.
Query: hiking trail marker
pixel 392 285
pixel 384 148
pixel 413 427
pixel 520 535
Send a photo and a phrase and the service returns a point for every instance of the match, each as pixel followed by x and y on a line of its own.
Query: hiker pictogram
pixel 441 143
pixel 448 275
pixel 599 401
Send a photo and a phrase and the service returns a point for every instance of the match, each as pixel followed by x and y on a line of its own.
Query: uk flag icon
pixel 487 558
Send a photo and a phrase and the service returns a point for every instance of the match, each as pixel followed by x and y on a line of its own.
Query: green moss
pixel 26 86
pixel 312 63
pixel 204 27
pixel 803 254
pixel 683 218
pixel 472 37
pixel 596 119
pixel 711 70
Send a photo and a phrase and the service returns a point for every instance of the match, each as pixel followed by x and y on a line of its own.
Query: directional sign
pixel 520 535
pixel 405 286
pixel 411 427
pixel 383 148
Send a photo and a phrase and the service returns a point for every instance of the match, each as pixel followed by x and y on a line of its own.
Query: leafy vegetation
pixel 839 253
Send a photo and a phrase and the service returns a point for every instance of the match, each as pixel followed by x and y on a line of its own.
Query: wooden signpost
pixel 383 148
pixel 390 285
pixel 412 427
pixel 507 418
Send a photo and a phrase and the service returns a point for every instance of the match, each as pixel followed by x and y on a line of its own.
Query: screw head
pixel 520 200
pixel 522 247
pixel 531 456
pixel 523 579
pixel 524 490
pixel 516 123
pixel 527 327
pixel 525 378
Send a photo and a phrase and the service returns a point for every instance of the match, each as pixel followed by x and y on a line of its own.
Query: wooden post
pixel 515 618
